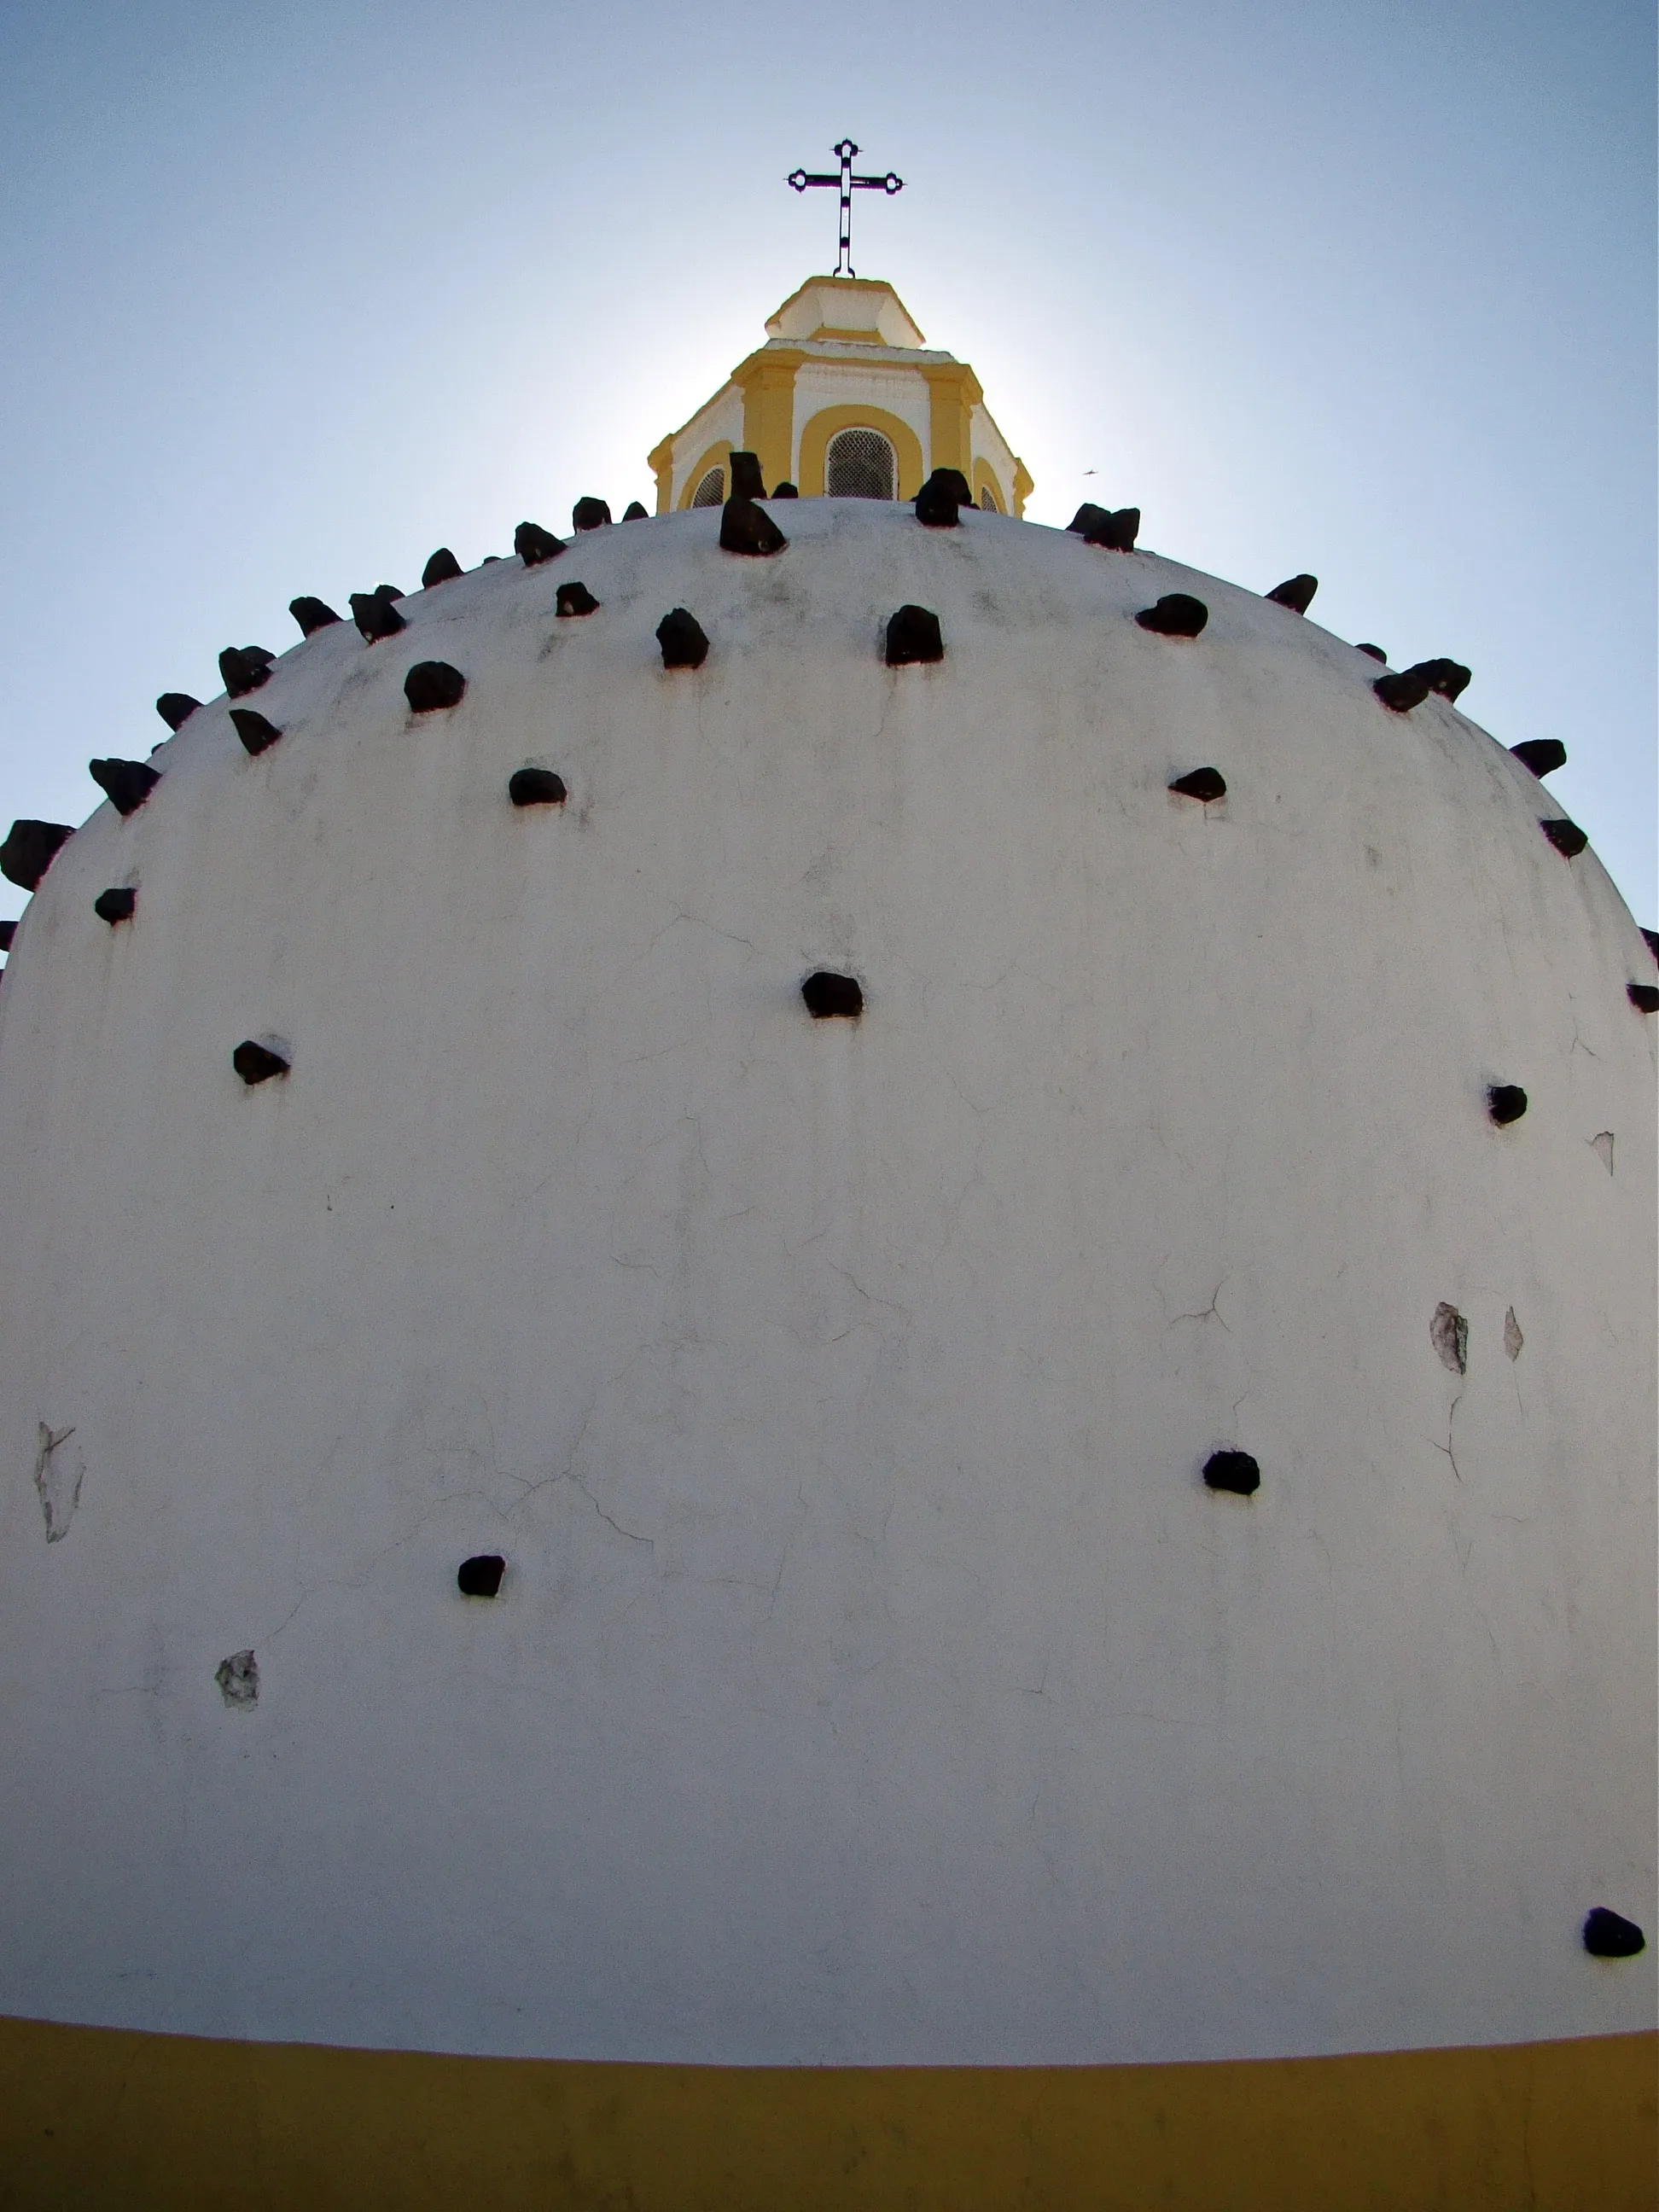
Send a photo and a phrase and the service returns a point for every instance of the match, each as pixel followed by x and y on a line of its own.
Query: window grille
pixel 711 491
pixel 987 499
pixel 858 465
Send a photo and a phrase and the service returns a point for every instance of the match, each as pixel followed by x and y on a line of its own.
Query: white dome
pixel 874 1678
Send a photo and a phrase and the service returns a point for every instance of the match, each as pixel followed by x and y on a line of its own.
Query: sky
pixel 294 295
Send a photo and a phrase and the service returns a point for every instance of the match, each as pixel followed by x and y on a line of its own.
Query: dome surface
pixel 873 1677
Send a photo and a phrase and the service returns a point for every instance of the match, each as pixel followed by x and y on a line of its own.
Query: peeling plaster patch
pixel 58 1474
pixel 238 1678
pixel 1603 1148
pixel 1449 1333
pixel 1513 1339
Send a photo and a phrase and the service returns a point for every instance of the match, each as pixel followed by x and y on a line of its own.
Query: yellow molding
pixel 818 429
pixel 766 380
pixel 717 456
pixel 104 2117
pixel 953 392
pixel 660 462
pixel 1024 486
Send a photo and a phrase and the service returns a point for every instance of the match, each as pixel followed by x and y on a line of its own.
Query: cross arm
pixel 800 179
pixel 890 184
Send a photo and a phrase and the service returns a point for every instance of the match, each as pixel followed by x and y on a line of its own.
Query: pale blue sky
pixel 294 295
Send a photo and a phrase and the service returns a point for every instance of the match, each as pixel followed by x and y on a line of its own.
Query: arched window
pixel 858 465
pixel 987 499
pixel 711 491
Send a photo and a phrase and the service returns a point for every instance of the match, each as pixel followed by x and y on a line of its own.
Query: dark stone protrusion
pixel 387 592
pixel 1177 614
pixel 1374 652
pixel 254 730
pixel 574 600
pixel 1235 1471
pixel 589 513
pixel 28 849
pixel 126 784
pixel 1610 1935
pixel 746 480
pixel 1652 939
pixel 376 615
pixel 534 545
pixel 116 904
pixel 257 1063
pixel 442 569
pixel 833 998
pixel 1115 528
pixel 940 498
pixel 1644 997
pixel 1543 756
pixel 786 490
pixel 1204 783
pixel 311 615
pixel 536 786
pixel 1296 592
pixel 244 669
pixel 747 528
pixel 431 685
pixel 634 512
pixel 1505 1102
pixel 480 1576
pixel 7 931
pixel 1449 677
pixel 913 636
pixel 1568 839
pixel 176 708
pixel 1402 690
pixel 681 637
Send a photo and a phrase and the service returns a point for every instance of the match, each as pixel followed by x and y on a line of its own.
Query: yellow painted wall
pixel 93 2120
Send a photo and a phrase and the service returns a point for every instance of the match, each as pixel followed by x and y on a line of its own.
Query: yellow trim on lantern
pixel 767 381
pixel 818 429
pixel 660 462
pixel 717 456
pixel 100 2117
pixel 953 392
pixel 1024 486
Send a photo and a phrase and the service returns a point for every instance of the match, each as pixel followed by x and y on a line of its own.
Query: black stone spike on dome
pixel 534 545
pixel 1505 1102
pixel 833 998
pixel 681 636
pixel 29 850
pixel 1652 938
pixel 255 732
pixel 939 501
pixel 442 569
pixel 1177 614
pixel 590 513
pixel 536 786
pixel 1204 783
pixel 116 904
pixel 257 1063
pixel 176 708
pixel 311 615
pixel 1296 592
pixel 375 616
pixel 432 685
pixel 913 637
pixel 634 512
pixel 481 1575
pixel 1607 1935
pixel 1644 997
pixel 244 668
pixel 1115 528
pixel 7 931
pixel 1402 690
pixel 1449 677
pixel 1232 1471
pixel 126 784
pixel 746 527
pixel 786 490
pixel 574 598
pixel 1568 839
pixel 1543 756
pixel 747 482
pixel 1373 653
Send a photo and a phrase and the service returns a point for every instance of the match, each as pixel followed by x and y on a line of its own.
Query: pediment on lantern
pixel 859 308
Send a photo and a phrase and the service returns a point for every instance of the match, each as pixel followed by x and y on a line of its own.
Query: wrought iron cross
pixel 800 179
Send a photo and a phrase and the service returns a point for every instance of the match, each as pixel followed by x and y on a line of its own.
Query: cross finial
pixel 800 179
